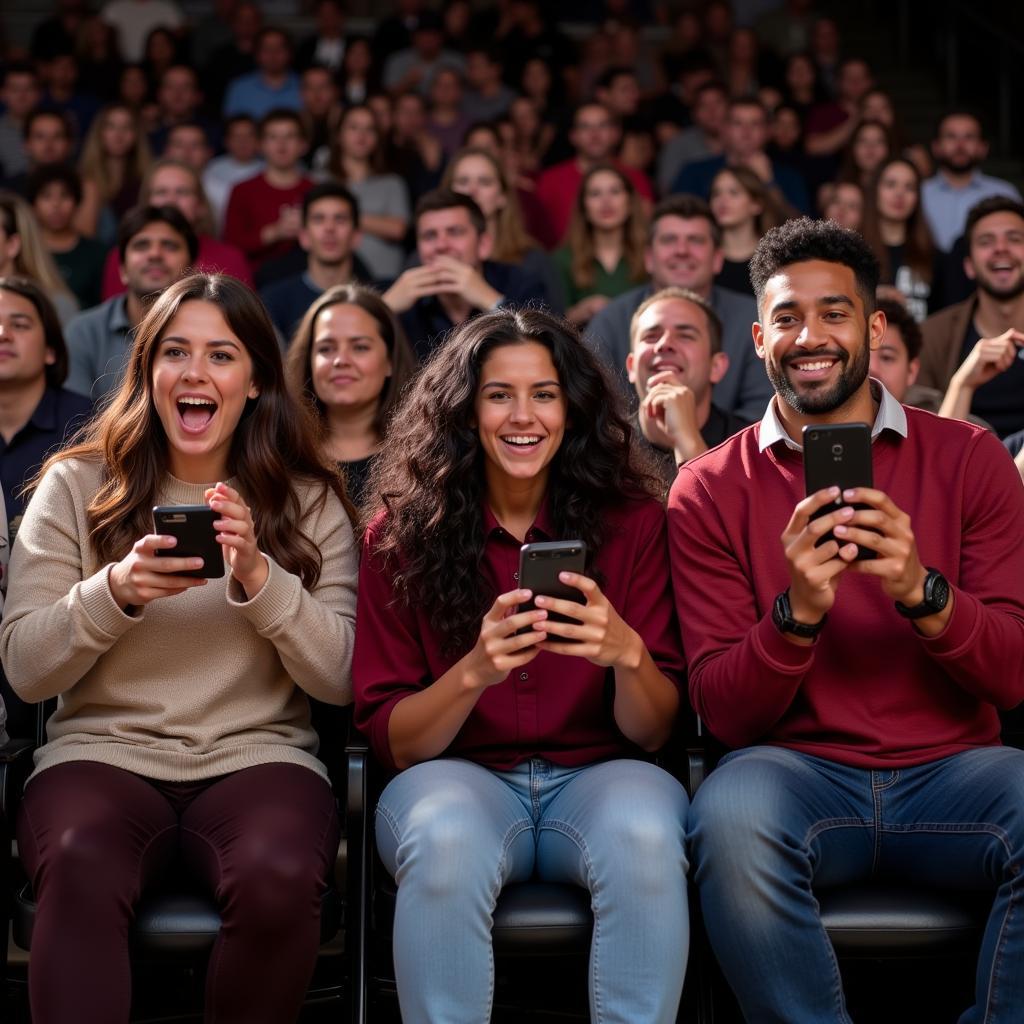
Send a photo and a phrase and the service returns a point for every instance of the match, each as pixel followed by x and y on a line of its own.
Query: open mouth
pixel 195 413
pixel 522 443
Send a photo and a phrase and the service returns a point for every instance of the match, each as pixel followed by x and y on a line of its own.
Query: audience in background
pixel 959 149
pixel 744 208
pixel 895 229
pixel 54 193
pixel 457 279
pixel 263 217
pixel 603 255
pixel 349 359
pixel 24 253
pixel 171 183
pixel 37 415
pixel 241 160
pixel 357 161
pixel 115 158
pixel 156 244
pixel 995 263
pixel 329 237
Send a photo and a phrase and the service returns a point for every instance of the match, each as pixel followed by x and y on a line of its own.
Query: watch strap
pixel 782 616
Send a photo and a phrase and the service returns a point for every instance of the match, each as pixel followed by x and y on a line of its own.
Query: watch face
pixel 940 592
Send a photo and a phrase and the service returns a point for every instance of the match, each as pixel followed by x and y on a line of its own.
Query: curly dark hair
pixel 802 240
pixel 430 475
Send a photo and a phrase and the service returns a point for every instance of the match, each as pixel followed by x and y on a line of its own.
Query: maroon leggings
pixel 92 837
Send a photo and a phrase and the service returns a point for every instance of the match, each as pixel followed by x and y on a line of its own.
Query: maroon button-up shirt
pixel 558 707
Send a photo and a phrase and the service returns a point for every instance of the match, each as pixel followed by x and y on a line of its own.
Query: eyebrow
pixel 825 300
pixel 536 384
pixel 214 343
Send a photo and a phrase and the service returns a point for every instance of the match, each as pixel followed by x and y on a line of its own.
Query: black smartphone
pixel 192 525
pixel 838 455
pixel 539 566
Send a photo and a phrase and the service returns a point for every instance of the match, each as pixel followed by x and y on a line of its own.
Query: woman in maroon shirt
pixel 519 755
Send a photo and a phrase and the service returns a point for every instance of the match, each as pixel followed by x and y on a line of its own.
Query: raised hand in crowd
pixel 989 358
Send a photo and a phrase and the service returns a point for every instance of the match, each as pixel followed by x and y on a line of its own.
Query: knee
pixel 646 849
pixel 269 883
pixel 84 866
pixel 442 854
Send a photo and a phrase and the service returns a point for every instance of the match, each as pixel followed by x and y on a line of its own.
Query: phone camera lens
pixel 814 437
pixel 533 555
pixel 837 449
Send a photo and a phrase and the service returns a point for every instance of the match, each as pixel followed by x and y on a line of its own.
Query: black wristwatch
pixel 782 616
pixel 936 597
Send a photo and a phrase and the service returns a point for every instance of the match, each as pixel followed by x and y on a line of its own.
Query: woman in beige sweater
pixel 182 725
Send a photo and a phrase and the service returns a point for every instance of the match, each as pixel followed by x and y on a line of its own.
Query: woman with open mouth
pixel 182 727
pixel 518 739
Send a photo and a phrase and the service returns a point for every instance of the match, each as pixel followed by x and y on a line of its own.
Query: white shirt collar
pixel 891 416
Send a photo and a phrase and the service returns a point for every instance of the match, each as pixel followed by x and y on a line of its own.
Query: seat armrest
pixel 696 769
pixel 15 767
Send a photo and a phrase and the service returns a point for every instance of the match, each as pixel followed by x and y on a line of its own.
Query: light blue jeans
pixel 769 823
pixel 452 833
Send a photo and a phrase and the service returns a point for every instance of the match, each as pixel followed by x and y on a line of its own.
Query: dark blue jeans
pixel 769 823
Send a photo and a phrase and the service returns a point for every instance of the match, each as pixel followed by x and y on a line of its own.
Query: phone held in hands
pixel 192 526
pixel 838 455
pixel 539 566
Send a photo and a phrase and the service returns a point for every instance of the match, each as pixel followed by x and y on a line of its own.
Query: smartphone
pixel 539 566
pixel 192 525
pixel 838 455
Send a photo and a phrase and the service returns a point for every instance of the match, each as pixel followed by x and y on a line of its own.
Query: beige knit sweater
pixel 192 686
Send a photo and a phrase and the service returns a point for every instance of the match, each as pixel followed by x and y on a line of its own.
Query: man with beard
pixel 860 697
pixel 156 245
pixel 684 250
pixel 975 347
pixel 959 148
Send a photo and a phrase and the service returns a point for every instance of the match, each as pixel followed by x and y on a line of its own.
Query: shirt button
pixel 523 676
pixel 515 576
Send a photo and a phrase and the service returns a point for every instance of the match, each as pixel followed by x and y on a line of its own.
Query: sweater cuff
pixel 271 603
pixel 99 604
pixel 960 630
pixel 777 652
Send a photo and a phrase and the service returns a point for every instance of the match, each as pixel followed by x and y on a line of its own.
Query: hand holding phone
pixel 151 570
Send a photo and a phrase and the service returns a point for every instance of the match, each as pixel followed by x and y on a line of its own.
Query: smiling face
pixel 672 340
pixel 24 354
pixel 154 258
pixel 520 413
pixel 349 360
pixel 996 261
pixel 201 377
pixel 814 336
pixel 682 252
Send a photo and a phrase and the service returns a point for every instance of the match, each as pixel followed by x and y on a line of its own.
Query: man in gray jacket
pixel 156 246
pixel 684 251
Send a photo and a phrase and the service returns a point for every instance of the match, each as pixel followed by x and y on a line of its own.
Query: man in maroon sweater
pixel 264 213
pixel 861 696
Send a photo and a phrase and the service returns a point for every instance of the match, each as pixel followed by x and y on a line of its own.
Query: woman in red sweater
pixel 519 752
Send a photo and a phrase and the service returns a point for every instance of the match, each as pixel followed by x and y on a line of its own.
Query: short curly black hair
pixel 803 239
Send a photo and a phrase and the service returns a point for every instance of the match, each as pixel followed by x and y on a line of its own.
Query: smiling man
pixel 684 251
pixel 675 358
pixel 860 697
pixel 968 332
pixel 156 245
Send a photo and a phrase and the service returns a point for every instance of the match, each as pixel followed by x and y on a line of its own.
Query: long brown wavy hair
pixel 918 251
pixel 429 478
pixel 580 237
pixel 274 444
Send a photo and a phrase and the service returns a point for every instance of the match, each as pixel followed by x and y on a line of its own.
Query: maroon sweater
pixel 872 691
pixel 252 205
pixel 558 706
